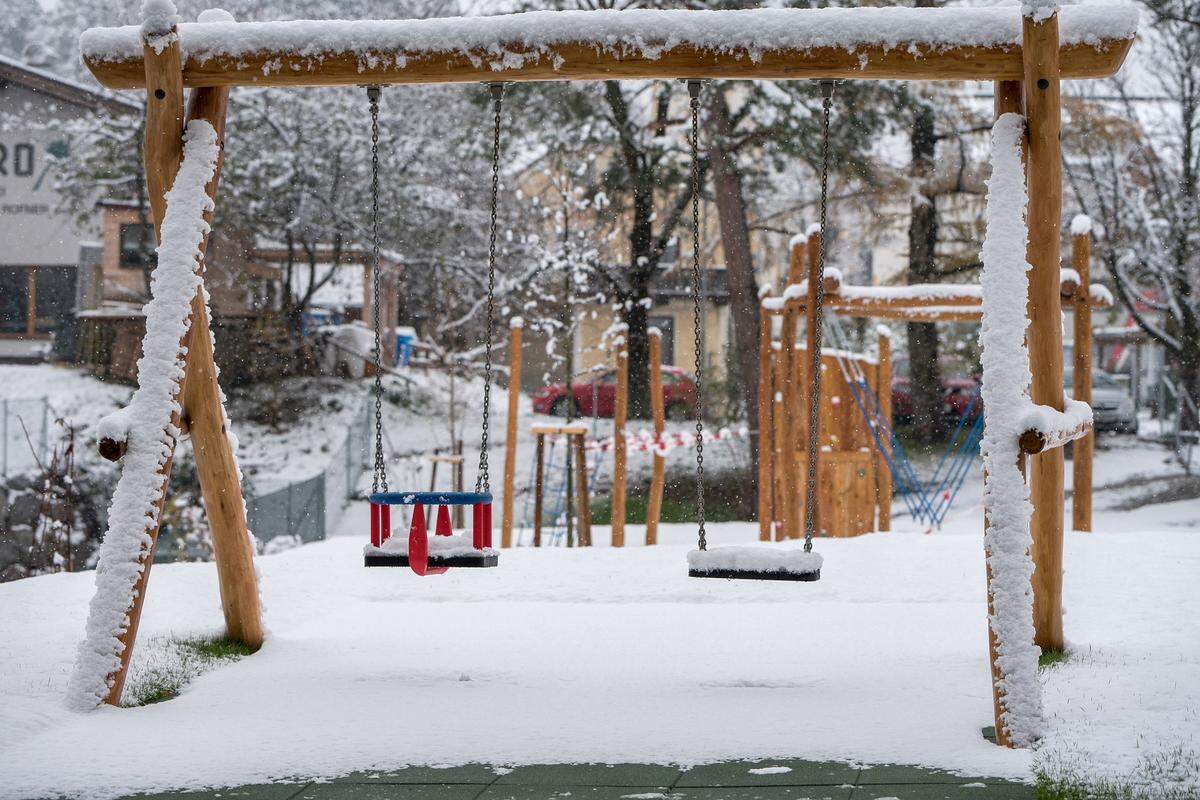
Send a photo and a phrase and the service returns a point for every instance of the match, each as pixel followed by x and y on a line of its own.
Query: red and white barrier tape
pixel 645 440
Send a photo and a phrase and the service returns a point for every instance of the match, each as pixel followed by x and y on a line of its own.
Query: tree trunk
pixel 924 373
pixel 739 269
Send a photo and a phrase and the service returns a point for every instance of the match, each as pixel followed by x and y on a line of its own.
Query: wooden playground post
pixel 620 412
pixel 516 334
pixel 813 374
pixel 197 392
pixel 659 468
pixel 582 501
pixel 539 475
pixel 1081 475
pixel 162 151
pixel 883 473
pixel 765 434
pixel 1009 99
pixel 777 443
pixel 787 433
pixel 216 465
pixel 1044 114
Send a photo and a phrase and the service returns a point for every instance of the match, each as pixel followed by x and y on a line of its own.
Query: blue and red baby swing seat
pixel 447 549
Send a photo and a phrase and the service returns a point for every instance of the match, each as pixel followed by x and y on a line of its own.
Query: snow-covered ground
pixel 611 655
pixel 614 655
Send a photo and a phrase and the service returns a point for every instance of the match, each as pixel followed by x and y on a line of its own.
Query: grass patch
pixel 1171 774
pixel 214 649
pixel 672 511
pixel 163 665
pixel 725 499
pixel 1052 658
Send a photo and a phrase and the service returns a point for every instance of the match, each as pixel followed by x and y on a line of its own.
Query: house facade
pixel 40 244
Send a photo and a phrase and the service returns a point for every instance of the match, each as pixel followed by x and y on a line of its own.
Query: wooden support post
pixel 997 675
pixel 883 475
pixel 620 412
pixel 1009 99
pixel 777 443
pixel 1081 475
pixel 516 335
pixel 582 501
pixel 31 304
pixel 791 397
pixel 162 151
pixel 1043 111
pixel 658 472
pixel 216 465
pixel 766 446
pixel 812 388
pixel 538 486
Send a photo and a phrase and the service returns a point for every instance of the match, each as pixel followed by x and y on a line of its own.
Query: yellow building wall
pixel 590 350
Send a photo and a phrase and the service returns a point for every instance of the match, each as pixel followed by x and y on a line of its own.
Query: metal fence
pixel 310 509
pixel 24 434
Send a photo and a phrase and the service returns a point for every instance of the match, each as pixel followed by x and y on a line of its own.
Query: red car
pixel 597 397
pixel 957 397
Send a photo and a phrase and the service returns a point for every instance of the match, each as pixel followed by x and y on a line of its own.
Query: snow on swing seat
pixel 455 550
pixel 755 563
pixel 425 554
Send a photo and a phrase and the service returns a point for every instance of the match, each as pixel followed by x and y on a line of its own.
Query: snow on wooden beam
pixel 775 44
pixel 1035 441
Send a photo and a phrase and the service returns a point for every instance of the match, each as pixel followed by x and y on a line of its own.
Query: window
pixel 137 246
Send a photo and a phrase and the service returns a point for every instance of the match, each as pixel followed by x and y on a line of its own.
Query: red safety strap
pixel 418 545
pixel 375 541
pixel 443 521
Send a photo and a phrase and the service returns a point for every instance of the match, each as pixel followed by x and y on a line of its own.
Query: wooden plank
pixel 585 62
pixel 883 476
pixel 216 465
pixel 1081 473
pixel 516 334
pixel 558 430
pixel 620 486
pixel 162 149
pixel 659 467
pixel 1043 111
pixel 765 432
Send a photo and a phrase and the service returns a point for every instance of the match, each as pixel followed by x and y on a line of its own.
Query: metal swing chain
pixel 818 315
pixel 694 88
pixel 379 481
pixel 482 479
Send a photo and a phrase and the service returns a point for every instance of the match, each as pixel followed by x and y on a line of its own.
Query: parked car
pixel 957 395
pixel 597 397
pixel 1112 402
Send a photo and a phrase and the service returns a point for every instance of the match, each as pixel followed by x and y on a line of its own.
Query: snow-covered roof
pixel 45 82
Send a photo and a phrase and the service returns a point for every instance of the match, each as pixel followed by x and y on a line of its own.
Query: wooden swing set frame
pixel 1027 81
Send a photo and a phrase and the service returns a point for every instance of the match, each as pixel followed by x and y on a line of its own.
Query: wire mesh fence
pixel 309 510
pixel 24 434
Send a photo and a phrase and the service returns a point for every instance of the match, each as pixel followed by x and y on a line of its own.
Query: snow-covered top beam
pixel 859 43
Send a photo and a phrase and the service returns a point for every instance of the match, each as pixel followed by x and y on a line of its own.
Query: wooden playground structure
pixel 574 437
pixel 1027 74
pixel 855 467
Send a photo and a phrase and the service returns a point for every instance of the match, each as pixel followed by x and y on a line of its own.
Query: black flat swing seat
pixel 446 549
pixel 755 563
